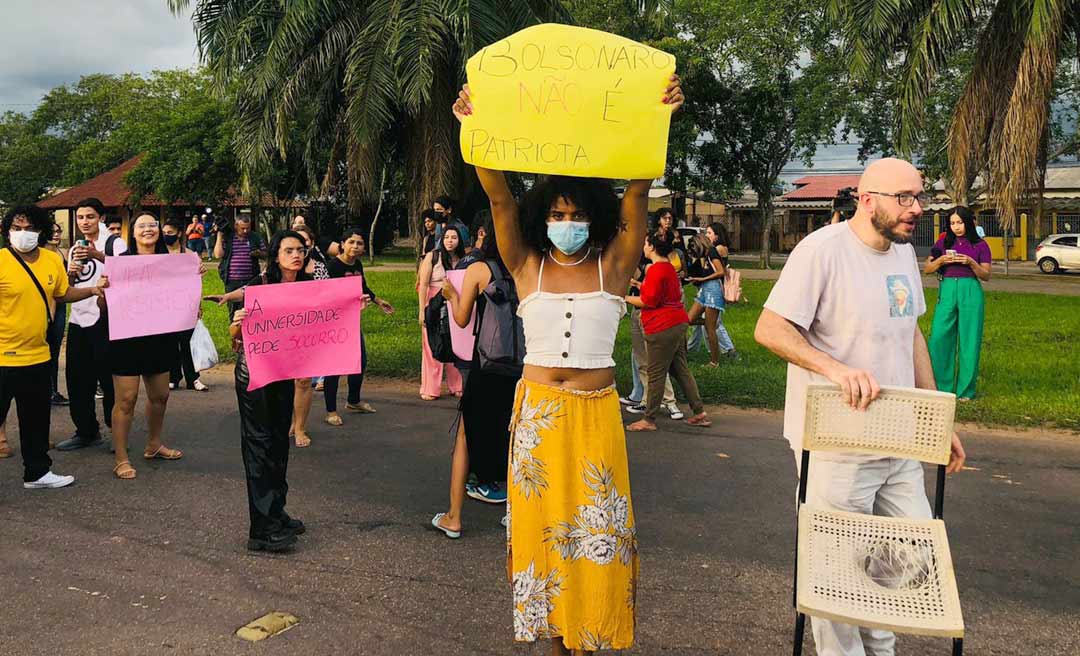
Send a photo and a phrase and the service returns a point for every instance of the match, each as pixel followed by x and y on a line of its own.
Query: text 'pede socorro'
pixel 568 101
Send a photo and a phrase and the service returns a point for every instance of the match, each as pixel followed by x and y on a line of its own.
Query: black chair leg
pixel 958 647
pixel 800 628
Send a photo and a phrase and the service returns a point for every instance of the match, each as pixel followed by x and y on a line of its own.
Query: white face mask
pixel 23 241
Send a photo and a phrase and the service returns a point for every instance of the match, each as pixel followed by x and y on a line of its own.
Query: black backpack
pixel 437 325
pixel 500 333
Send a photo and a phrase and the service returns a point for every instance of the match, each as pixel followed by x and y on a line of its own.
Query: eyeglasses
pixel 295 251
pixel 905 199
pixel 576 216
pixel 145 227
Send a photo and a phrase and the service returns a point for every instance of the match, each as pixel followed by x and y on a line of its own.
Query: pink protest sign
pixel 152 294
pixel 302 329
pixel 461 339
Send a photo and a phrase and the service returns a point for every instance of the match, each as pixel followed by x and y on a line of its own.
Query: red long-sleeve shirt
pixel 661 294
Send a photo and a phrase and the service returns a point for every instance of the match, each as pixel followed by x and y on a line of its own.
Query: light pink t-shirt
pixel 857 304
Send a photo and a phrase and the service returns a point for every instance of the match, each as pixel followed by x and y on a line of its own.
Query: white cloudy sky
pixel 50 42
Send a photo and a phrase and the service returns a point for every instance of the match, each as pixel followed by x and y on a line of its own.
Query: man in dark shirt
pixel 239 253
pixel 444 209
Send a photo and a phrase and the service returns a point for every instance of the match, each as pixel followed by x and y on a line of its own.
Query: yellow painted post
pixel 1021 252
pixel 1054 231
pixel 937 225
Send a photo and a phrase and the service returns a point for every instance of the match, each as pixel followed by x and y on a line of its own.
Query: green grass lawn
pixel 1030 372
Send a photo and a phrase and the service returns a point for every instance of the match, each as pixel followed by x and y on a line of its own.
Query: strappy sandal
pixel 303 441
pixel 5 450
pixel 126 474
pixel 363 408
pixel 334 419
pixel 428 397
pixel 164 453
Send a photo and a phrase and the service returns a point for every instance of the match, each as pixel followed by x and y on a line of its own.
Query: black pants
pixel 29 387
pixel 87 367
pixel 54 335
pixel 265 418
pixel 356 381
pixel 184 364
pixel 232 286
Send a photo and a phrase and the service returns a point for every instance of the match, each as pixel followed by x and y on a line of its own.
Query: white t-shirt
pixel 86 313
pixel 857 304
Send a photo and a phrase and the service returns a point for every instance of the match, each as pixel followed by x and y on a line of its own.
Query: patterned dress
pixel 571 539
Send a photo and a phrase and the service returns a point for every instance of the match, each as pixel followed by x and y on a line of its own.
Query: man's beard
pixel 887 228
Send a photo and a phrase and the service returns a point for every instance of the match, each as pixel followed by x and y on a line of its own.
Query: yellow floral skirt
pixel 571 541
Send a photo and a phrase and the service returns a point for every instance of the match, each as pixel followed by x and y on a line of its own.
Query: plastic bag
pixel 203 352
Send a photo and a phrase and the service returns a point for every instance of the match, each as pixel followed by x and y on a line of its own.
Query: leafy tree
pixel 29 160
pixel 360 75
pixel 773 91
pixel 1002 119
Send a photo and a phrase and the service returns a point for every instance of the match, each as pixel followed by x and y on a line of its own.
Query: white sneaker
pixel 673 410
pixel 200 386
pixel 50 481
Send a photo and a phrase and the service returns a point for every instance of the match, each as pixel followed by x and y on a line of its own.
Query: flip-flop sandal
pixel 428 397
pixel 701 422
pixel 363 408
pixel 302 443
pixel 334 420
pixel 5 450
pixel 453 535
pixel 636 428
pixel 164 453
pixel 125 475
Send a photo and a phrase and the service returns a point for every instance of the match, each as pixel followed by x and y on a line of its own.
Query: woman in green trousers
pixel 963 261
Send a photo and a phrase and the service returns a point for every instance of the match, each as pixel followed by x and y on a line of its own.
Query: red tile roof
pixel 110 189
pixel 820 187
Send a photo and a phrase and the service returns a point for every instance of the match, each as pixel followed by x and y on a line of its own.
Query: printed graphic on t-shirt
pixel 900 301
pixel 88 271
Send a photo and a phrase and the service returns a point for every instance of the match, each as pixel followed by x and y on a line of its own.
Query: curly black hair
pixel 593 196
pixel 39 220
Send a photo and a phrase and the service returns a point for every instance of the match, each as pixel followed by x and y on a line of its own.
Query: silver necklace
pixel 570 264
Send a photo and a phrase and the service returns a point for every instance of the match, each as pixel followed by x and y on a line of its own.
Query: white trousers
pixel 889 487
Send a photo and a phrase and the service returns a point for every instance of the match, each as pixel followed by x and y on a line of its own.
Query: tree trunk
pixel 766 210
pixel 375 220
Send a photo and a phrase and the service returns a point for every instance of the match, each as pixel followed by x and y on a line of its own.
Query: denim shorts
pixel 711 294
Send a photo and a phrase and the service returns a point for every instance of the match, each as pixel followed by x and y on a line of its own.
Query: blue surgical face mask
pixel 568 236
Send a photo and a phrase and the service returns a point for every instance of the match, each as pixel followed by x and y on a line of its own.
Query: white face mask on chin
pixel 23 241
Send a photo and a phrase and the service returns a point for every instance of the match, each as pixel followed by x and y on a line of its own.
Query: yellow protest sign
pixel 568 101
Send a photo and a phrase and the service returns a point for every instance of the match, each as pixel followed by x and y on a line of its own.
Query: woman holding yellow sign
pixel 571 247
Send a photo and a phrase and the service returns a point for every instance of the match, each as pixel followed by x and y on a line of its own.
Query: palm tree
pixel 999 127
pixel 361 78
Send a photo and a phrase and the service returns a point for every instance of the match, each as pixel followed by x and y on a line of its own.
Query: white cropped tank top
pixel 574 330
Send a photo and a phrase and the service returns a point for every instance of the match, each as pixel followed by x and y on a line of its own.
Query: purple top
pixel 240 264
pixel 979 252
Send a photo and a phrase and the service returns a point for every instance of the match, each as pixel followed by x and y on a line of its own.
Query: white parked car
pixel 1058 253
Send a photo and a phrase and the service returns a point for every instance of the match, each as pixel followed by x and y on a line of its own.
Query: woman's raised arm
pixel 504 209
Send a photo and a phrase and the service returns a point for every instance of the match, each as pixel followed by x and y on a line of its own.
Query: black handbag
pixel 437 325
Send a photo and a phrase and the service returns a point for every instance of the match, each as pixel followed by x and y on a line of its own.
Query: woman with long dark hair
pixel 432 274
pixel 266 415
pixel 487 403
pixel 148 359
pixel 962 259
pixel 711 248
pixel 571 245
pixel 350 262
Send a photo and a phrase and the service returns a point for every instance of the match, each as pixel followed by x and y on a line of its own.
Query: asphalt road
pixel 158 565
